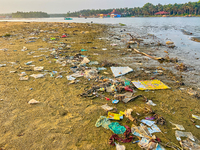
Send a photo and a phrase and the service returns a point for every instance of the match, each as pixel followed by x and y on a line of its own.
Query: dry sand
pixel 63 120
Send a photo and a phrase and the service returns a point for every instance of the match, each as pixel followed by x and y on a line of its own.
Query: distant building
pixel 115 14
pixel 102 15
pixel 162 13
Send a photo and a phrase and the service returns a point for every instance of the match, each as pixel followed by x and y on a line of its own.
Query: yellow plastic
pixel 115 116
pixel 150 85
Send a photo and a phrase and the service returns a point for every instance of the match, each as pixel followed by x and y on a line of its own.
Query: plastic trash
pixel 107 98
pixel 198 126
pixel 28 63
pixel 179 127
pixel 25 78
pixel 70 78
pixel 22 74
pixel 2 65
pixel 115 101
pixel 159 147
pixel 85 60
pixel 38 68
pixel 150 103
pixel 153 129
pixel 63 36
pixel 33 101
pixel 120 147
pixel 144 143
pixel 115 116
pixel 196 117
pixel 126 100
pixel 117 128
pixel 24 48
pixel 180 134
pixel 103 121
pixel 37 75
pixel 83 50
pixel 59 76
pixel 150 118
pixel 119 71
pixel 126 88
pixel 147 122
pixel 111 88
pixel 188 144
pixel 106 107
pixel 93 63
pixel 150 85
pixel 127 113
pixel 101 68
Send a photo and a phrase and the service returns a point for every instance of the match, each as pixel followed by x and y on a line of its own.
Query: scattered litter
pixel 128 99
pixel 144 143
pixel 150 103
pixel 189 145
pixel 101 68
pixel 59 76
pixel 115 101
pixel 32 101
pixel 104 49
pixel 93 63
pixel 70 78
pixel 120 71
pixel 37 75
pixel 127 134
pixel 114 116
pixel 150 118
pixel 38 68
pixel 179 127
pixel 28 63
pixel 196 117
pixel 22 74
pixel 180 134
pixel 106 107
pixel 120 147
pixel 153 129
pixel 2 65
pixel 147 122
pixel 24 48
pixel 103 121
pixel 23 78
pixel 150 85
pixel 127 113
pixel 83 50
pixel 198 126
pixel 85 60
pixel 117 128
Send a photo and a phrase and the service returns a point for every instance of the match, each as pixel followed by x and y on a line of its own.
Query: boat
pixel 68 18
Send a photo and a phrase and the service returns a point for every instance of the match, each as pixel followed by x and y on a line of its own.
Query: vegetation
pixel 148 9
pixel 30 14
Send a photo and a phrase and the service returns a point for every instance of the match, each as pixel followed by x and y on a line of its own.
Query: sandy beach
pixel 63 119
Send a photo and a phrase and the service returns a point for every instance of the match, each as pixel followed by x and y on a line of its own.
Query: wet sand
pixel 62 119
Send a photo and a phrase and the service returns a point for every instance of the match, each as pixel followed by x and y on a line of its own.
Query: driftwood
pixel 155 58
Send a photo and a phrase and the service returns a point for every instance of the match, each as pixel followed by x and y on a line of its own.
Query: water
pixel 164 28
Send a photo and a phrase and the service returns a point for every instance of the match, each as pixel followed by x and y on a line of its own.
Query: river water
pixel 163 28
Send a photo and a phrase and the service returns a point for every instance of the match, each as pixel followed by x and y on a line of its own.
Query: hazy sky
pixel 63 6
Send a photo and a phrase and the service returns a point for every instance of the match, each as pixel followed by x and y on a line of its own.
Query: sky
pixel 64 6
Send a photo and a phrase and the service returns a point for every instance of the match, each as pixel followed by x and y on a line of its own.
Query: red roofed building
pixel 162 13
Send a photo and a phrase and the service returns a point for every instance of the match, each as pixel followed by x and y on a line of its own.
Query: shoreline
pixel 63 120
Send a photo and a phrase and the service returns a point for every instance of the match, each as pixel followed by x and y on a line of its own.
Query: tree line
pixel 148 9
pixel 31 14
